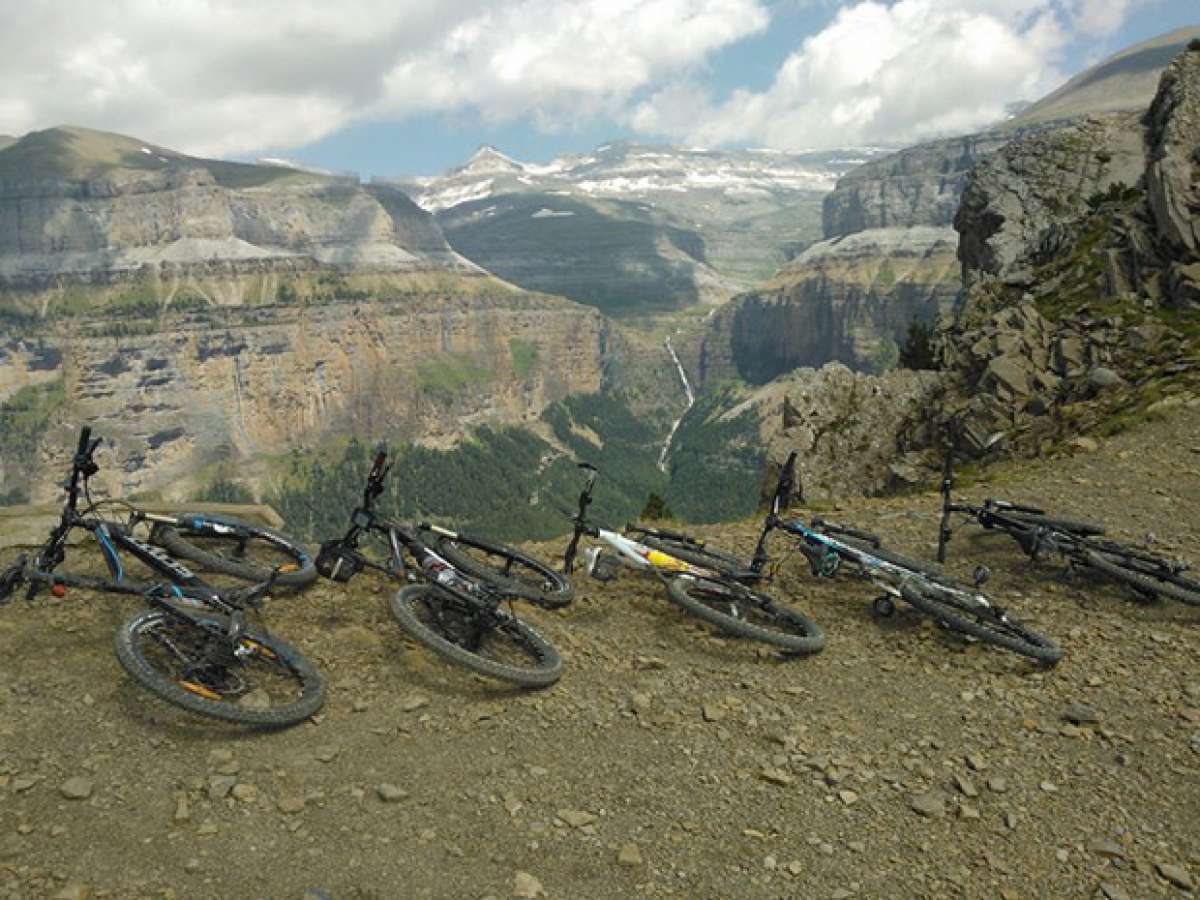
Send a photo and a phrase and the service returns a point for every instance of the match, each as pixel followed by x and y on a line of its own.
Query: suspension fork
pixel 759 561
pixel 944 529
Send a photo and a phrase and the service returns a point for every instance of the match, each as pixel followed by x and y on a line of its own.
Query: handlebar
pixel 580 519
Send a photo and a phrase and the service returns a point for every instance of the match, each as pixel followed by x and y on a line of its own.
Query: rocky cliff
pixel 254 384
pixel 916 187
pixel 848 300
pixel 200 312
pixel 631 228
pixel 1082 303
pixel 79 206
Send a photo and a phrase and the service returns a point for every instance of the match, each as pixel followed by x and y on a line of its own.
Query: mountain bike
pixel 453 610
pixel 192 647
pixel 719 597
pixel 1081 544
pixel 223 544
pixel 828 546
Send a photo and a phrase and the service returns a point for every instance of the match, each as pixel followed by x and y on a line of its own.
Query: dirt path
pixel 668 762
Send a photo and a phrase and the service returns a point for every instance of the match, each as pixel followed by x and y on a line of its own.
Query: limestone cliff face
pixel 198 392
pixel 919 186
pixel 1082 275
pixel 89 207
pixel 848 300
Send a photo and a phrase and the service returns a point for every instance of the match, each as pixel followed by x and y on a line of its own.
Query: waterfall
pixel 691 398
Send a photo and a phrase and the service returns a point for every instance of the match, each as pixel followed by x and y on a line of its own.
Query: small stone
pixel 1049 787
pixel 219 786
pixel 630 855
pixel 848 797
pixel 997 785
pixel 1010 820
pixel 326 754
pixel 245 792
pixel 639 702
pixel 413 702
pixel 794 868
pixel 931 805
pixel 291 804
pixel 360 705
pixel 1107 849
pixel 23 783
pixel 1177 875
pixel 576 818
pixel 1112 891
pixel 183 811
pixel 526 886
pixel 966 786
pixel 776 776
pixel 1085 444
pixel 192 865
pixel 77 788
pixel 976 762
pixel 390 793
pixel 257 700
pixel 712 712
pixel 1081 714
pixel 74 891
pixel 219 757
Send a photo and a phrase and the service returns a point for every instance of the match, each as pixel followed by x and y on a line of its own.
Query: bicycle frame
pixel 112 541
pixel 400 539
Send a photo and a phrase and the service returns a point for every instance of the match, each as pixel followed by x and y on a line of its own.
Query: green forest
pixel 514 485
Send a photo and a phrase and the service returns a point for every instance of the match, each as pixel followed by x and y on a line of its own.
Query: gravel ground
pixel 900 762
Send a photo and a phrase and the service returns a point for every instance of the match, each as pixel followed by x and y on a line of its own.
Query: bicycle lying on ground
pixel 827 546
pixel 1081 544
pixel 719 597
pixel 192 647
pixel 455 610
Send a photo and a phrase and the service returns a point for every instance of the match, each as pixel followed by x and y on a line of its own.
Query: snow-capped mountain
pixel 631 227
pixel 623 170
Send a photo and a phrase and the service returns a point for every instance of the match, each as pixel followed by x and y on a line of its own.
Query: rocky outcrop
pixel 1173 176
pixel 919 186
pixel 87 207
pixel 254 384
pixel 849 300
pixel 1082 280
pixel 1019 204
pixel 833 415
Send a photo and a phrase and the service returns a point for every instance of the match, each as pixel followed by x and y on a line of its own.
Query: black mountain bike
pixel 454 610
pixel 193 646
pixel 827 546
pixel 719 596
pixel 1081 544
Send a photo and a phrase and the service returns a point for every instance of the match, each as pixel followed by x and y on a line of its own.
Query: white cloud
pixel 883 73
pixel 226 76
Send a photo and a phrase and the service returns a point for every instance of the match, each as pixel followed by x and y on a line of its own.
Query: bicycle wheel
pixel 956 608
pixel 1144 578
pixel 738 610
pixel 264 683
pixel 704 557
pixel 504 567
pixel 238 549
pixel 509 649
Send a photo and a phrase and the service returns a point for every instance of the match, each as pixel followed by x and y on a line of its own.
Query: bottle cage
pixel 337 562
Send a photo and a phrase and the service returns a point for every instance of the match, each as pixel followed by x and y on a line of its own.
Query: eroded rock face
pixel 1018 203
pixel 919 186
pixel 848 300
pixel 1079 254
pixel 198 392
pixel 847 427
pixel 1173 176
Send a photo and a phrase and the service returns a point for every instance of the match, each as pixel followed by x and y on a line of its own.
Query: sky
pixel 404 87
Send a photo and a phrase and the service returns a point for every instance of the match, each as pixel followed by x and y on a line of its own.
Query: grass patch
pixel 448 374
pixel 524 356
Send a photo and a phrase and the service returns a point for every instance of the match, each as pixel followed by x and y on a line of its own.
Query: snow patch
pixel 545 213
